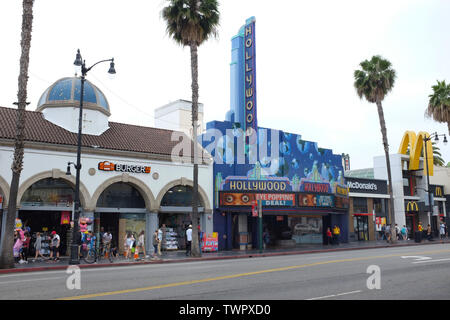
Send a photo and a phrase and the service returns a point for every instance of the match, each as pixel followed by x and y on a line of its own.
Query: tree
pixel 374 82
pixel 190 23
pixel 6 250
pixel 439 103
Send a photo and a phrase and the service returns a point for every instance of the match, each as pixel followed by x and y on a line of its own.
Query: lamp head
pixel 78 62
pixel 445 140
pixel 112 70
pixel 436 138
pixel 68 170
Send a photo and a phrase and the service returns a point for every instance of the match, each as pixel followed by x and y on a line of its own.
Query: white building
pixel 129 179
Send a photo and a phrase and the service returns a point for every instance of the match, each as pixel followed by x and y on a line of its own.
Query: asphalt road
pixel 417 272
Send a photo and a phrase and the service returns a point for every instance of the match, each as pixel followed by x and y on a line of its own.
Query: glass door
pixel 361 226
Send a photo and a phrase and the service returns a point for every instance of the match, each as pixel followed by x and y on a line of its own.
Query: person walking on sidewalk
pixel 155 243
pixel 160 238
pixel 38 247
pixel 329 237
pixel 54 246
pixel 404 233
pixel 388 233
pixel 188 240
pixel 141 244
pixel 442 230
pixel 336 234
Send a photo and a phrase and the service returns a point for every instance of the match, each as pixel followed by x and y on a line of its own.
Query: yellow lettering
pixel 276 186
pixel 232 185
pixel 255 185
pixel 239 185
pixel 248 43
pixel 247 68
pixel 248 30
pixel 249 79
pixel 249 93
pixel 249 118
pixel 249 105
pixel 269 186
pixel 262 186
pixel 247 56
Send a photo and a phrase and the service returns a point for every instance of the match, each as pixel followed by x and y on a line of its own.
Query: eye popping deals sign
pixel 274 199
pixel 210 242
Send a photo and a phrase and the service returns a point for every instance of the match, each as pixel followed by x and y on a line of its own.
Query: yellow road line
pixel 233 276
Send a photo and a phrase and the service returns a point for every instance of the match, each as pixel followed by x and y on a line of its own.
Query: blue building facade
pixel 300 186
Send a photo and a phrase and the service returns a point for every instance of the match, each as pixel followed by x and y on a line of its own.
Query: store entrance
pixel 411 220
pixel 45 222
pixel 361 227
pixel 110 222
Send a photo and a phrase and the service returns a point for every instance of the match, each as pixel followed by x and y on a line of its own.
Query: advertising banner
pixel 280 199
pixel 210 242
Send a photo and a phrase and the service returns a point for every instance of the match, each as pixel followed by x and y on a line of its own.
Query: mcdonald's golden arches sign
pixel 412 206
pixel 416 145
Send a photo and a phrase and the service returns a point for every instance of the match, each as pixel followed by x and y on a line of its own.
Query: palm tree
pixel 190 23
pixel 439 103
pixel 374 82
pixel 6 251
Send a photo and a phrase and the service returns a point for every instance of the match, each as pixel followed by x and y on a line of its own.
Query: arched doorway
pixel 121 210
pixel 46 206
pixel 176 214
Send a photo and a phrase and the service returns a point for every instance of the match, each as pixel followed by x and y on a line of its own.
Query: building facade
pixel 299 186
pixel 129 179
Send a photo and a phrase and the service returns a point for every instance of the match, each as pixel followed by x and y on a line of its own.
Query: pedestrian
pixel 383 231
pixel 397 232
pixel 336 234
pixel 106 242
pixel 141 243
pixel 160 238
pixel 155 243
pixel 17 247
pixel 404 233
pixel 188 240
pixel 38 246
pixel 429 233
pixel 388 233
pixel 26 247
pixel 329 237
pixel 128 245
pixel 54 246
pixel 442 230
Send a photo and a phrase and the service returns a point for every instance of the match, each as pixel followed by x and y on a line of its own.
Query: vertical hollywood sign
pixel 250 77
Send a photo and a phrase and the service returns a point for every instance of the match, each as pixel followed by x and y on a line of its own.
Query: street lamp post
pixel 426 139
pixel 79 62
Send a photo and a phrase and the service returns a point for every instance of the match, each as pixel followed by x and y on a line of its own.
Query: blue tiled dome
pixel 67 92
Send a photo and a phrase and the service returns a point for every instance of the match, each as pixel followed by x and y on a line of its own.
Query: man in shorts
pixel 54 246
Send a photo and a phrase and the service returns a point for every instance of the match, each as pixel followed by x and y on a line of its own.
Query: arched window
pixel 48 192
pixel 180 196
pixel 121 195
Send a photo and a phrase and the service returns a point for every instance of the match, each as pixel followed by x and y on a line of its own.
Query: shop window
pixel 121 195
pixel 360 205
pixel 49 192
pixel 179 196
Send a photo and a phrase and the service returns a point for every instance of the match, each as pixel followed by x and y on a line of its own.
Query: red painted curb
pixel 250 255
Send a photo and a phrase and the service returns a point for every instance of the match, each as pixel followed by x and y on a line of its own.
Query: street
pixel 417 272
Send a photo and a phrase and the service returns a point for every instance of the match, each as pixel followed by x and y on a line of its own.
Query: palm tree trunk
pixel 194 72
pixel 388 165
pixel 7 243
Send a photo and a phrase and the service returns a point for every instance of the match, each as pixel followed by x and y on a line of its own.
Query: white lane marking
pixel 417 258
pixel 335 295
pixel 28 280
pixel 433 260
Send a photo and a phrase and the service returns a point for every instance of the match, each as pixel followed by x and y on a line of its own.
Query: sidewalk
pixel 180 256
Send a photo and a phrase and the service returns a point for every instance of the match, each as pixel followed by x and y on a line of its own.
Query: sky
pixel 306 53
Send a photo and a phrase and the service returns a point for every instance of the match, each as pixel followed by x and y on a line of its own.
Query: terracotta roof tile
pixel 119 136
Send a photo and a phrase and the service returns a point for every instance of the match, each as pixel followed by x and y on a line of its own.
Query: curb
pixel 243 256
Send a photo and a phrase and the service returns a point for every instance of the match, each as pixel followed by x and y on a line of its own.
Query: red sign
pixel 254 209
pixel 65 217
pixel 210 242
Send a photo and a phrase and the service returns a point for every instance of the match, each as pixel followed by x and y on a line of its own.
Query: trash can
pixel 418 236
